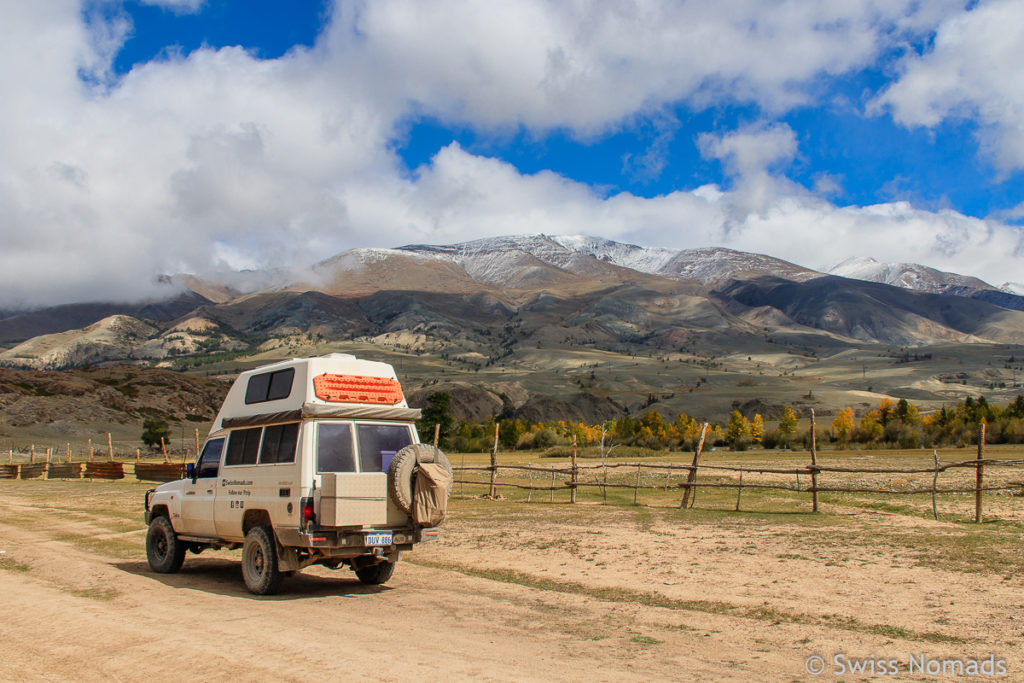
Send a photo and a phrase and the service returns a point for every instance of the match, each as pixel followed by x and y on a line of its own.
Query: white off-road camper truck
pixel 310 461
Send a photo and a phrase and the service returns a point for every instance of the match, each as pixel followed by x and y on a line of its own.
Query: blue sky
pixel 202 135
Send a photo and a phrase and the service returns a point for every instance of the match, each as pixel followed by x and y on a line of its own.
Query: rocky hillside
pixel 68 402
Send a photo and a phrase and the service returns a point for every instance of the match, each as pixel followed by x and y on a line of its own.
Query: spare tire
pixel 403 468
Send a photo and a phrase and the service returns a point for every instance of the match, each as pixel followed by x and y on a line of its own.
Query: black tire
pixel 376 574
pixel 259 561
pixel 164 552
pixel 402 471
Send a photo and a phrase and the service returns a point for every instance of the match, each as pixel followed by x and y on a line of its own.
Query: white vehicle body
pixel 304 450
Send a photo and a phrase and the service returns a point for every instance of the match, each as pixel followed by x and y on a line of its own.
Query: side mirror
pixel 190 471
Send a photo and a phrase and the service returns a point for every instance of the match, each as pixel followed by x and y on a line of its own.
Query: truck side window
pixel 379 443
pixel 209 461
pixel 279 443
pixel 243 446
pixel 334 448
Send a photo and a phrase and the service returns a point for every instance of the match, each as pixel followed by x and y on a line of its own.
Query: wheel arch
pixel 254 518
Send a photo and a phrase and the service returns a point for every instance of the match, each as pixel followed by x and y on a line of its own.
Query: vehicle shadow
pixel 224 577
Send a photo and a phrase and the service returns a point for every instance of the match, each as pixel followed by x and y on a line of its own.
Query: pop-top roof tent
pixel 335 385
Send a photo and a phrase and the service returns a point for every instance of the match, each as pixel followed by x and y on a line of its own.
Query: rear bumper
pixel 353 540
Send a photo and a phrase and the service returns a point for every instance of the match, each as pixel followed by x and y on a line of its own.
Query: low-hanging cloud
pixel 221 160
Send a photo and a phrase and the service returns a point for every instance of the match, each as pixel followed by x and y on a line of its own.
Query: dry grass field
pixel 519 590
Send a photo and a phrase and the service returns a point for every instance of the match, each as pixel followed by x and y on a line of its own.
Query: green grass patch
pixel 11 565
pixel 645 640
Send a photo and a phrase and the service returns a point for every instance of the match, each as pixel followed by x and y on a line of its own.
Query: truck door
pixel 199 495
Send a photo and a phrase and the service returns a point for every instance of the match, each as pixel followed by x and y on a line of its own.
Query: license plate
pixel 379 538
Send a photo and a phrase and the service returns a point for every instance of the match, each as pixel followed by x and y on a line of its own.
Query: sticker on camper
pixel 357 389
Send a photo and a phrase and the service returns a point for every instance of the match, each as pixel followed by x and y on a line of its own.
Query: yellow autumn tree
pixel 842 427
pixel 757 427
pixel 787 421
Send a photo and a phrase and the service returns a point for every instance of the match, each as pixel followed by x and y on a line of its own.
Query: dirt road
pixel 504 597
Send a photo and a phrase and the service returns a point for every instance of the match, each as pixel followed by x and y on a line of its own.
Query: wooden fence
pixel 575 477
pixel 55 463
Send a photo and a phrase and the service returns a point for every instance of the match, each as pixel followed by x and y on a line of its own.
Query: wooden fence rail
pixel 576 475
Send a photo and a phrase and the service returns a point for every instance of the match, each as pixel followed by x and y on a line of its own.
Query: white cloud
pixel 590 65
pixel 220 159
pixel 972 71
pixel 180 6
pixel 752 150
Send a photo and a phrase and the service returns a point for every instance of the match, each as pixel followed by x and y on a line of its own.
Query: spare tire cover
pixel 403 468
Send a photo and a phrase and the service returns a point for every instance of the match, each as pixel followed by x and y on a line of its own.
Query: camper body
pixel 309 461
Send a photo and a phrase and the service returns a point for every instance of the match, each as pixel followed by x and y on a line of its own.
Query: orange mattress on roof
pixel 357 389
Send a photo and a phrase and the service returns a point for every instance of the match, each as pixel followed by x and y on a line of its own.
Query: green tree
pixel 509 432
pixel 436 412
pixel 153 430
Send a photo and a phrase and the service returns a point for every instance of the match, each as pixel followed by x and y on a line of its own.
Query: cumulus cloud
pixel 219 160
pixel 972 71
pixel 587 65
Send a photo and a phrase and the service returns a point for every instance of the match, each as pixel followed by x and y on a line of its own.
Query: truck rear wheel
pixel 376 574
pixel 164 552
pixel 259 561
pixel 401 472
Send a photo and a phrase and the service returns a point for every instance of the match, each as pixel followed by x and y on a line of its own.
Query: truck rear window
pixel 379 443
pixel 334 452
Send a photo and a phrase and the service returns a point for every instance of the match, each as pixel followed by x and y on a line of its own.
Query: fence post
pixel 110 448
pixel 197 443
pixel 10 457
pixel 814 463
pixel 529 491
pixel 572 491
pixel 636 487
pixel 604 483
pixel 90 450
pixel 163 448
pixel 980 478
pixel 32 454
pixel 437 434
pixel 494 463
pixel 935 485
pixel 691 478
pixel 551 496
pixel 69 452
pixel 739 491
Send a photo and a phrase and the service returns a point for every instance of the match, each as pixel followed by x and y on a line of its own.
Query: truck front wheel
pixel 259 561
pixel 164 552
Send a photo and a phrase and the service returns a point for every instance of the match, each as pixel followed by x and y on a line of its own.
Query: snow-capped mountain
pixel 715 265
pixel 909 276
pixel 536 291
pixel 501 260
